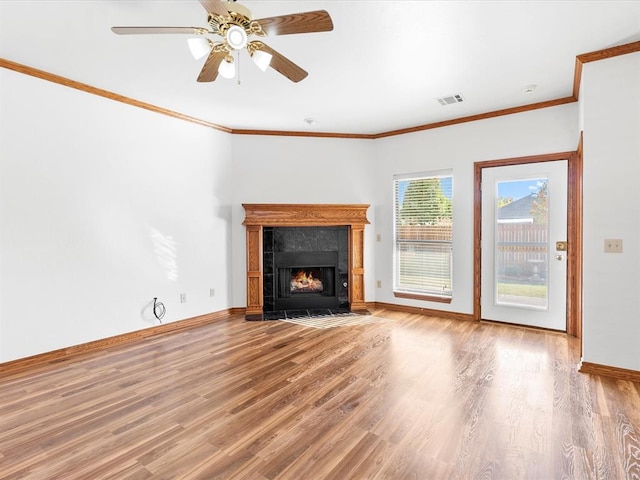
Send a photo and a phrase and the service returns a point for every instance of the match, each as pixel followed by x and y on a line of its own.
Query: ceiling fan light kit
pixel 235 24
pixel 261 59
pixel 227 69
pixel 199 47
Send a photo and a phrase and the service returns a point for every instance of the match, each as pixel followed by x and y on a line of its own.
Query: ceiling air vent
pixel 444 101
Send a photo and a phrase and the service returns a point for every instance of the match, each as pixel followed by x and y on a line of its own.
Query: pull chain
pixel 238 62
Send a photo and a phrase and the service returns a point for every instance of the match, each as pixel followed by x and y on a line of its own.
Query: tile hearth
pixel 284 314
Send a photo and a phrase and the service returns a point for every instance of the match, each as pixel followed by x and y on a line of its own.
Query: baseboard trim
pixel 609 371
pixel 423 311
pixel 56 356
pixel 64 354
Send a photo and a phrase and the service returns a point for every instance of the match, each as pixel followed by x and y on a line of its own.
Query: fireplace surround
pixel 340 262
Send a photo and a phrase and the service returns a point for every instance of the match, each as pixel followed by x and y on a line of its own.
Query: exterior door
pixel 524 269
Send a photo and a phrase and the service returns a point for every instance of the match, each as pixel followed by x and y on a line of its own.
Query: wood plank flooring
pixel 414 398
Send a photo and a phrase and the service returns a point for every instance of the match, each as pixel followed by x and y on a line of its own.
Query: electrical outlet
pixel 183 298
pixel 613 245
pixel 212 292
pixel 379 283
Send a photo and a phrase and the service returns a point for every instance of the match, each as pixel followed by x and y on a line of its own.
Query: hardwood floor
pixel 412 398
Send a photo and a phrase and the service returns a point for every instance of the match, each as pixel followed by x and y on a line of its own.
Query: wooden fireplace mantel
pixel 259 215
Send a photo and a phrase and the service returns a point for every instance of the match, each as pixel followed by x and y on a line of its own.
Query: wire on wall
pixel 158 309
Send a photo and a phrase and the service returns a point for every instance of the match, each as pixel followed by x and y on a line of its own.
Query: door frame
pixel 574 231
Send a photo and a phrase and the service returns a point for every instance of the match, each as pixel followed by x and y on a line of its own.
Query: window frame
pixel 427 294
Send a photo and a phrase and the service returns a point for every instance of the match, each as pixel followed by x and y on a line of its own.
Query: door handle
pixel 559 258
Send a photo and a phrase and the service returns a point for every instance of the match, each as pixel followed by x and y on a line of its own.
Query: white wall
pixel 104 206
pixel 610 98
pixel 321 170
pixel 457 147
pixel 300 170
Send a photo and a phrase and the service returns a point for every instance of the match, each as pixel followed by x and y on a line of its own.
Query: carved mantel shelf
pixel 301 215
pixel 259 215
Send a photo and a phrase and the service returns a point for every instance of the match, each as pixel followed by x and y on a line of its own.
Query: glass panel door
pixel 524 214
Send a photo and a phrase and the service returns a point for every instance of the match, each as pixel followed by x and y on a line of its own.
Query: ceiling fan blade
pixel 283 65
pixel 307 22
pixel 154 30
pixel 210 69
pixel 215 6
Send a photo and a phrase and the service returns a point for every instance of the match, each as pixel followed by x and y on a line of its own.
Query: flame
pixel 303 278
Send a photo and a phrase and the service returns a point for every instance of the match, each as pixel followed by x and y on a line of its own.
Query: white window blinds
pixel 423 235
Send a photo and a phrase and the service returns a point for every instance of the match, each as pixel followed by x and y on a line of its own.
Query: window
pixel 423 235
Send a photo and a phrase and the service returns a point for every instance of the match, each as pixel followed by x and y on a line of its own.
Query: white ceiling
pixel 380 69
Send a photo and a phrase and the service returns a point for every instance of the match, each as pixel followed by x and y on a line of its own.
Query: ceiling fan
pixel 235 24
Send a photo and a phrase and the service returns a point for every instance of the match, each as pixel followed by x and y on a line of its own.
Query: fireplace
pixel 305 280
pixel 313 232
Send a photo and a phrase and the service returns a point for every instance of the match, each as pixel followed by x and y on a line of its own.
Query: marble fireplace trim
pixel 259 215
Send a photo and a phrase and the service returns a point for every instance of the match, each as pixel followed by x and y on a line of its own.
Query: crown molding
pixel 577 77
pixel 596 56
pixel 51 77
pixel 480 116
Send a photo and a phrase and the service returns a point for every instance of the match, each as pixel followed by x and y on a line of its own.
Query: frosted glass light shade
pixel 199 47
pixel 261 59
pixel 227 69
pixel 236 37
